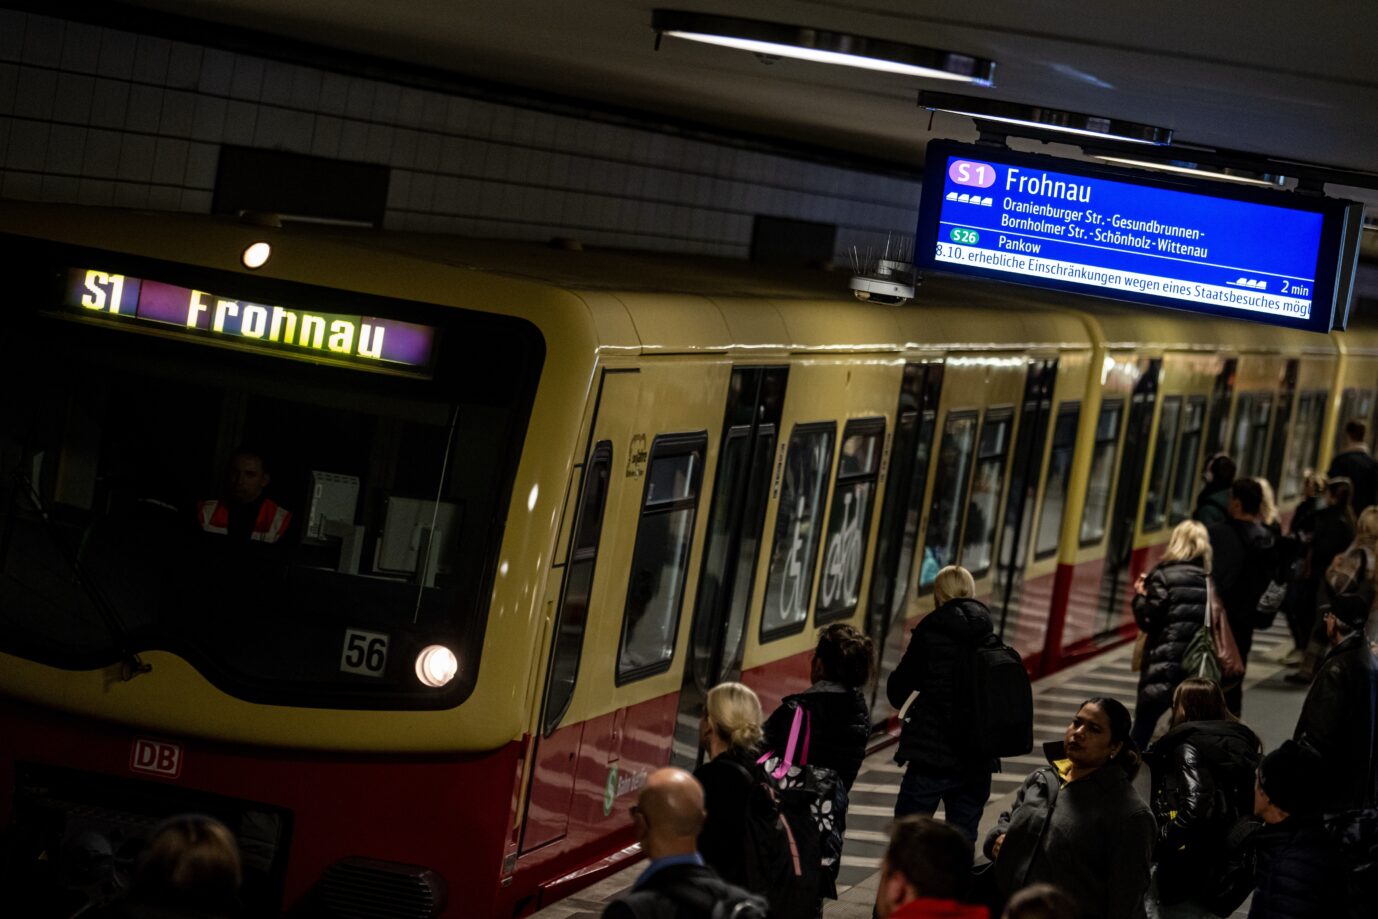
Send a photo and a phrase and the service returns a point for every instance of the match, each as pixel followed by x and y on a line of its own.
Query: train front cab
pixel 284 693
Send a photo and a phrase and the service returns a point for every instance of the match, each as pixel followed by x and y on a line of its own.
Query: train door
pixel 556 752
pixel 1282 423
pixel 901 511
pixel 742 485
pixel 1119 546
pixel 1219 412
pixel 1013 553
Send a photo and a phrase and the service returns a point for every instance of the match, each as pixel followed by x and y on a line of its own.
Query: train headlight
pixel 436 665
pixel 256 255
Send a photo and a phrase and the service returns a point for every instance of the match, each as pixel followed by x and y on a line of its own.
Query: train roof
pixel 674 303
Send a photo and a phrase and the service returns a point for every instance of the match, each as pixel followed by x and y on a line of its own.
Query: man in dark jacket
pixel 1338 719
pixel 1354 463
pixel 1299 870
pixel 1212 505
pixel 1244 562
pixel 939 649
pixel 668 816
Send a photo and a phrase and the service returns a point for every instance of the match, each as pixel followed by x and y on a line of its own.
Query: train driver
pixel 243 512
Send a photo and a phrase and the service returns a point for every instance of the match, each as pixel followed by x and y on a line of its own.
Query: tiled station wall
pixel 95 115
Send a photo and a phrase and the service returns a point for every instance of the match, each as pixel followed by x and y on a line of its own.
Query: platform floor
pixel 1271 707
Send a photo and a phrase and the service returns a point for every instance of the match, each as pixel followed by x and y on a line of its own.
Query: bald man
pixel 668 816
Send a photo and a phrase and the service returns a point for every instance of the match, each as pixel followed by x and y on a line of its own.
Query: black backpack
pixel 781 849
pixel 703 898
pixel 993 715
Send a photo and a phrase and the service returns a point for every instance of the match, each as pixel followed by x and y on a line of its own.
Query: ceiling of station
pixel 1265 76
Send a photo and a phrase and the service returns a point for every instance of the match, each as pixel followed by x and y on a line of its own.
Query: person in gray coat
pixel 1078 823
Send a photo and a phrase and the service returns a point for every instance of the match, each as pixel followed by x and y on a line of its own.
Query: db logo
pixel 156 757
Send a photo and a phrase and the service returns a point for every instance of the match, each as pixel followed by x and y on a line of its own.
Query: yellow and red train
pixel 540 501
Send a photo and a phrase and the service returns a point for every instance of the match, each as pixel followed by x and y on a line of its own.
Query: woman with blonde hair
pixel 730 732
pixel 1170 606
pixel 1351 572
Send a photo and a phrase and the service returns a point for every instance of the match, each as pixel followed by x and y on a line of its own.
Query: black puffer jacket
pixel 1300 873
pixel 1170 611
pixel 839 726
pixel 1338 721
pixel 939 647
pixel 1203 781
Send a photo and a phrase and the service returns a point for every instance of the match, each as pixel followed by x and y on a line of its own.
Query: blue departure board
pixel 1207 247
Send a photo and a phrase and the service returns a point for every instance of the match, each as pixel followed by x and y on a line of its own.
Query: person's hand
pixel 1139 584
pixel 995 849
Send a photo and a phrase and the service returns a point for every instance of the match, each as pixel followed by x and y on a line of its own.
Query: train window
pixel 798 524
pixel 574 605
pixel 1059 478
pixel 298 532
pixel 1155 503
pixel 949 495
pixel 1102 471
pixel 1249 444
pixel 983 508
pixel 849 520
pixel 1188 453
pixel 1304 449
pixel 660 559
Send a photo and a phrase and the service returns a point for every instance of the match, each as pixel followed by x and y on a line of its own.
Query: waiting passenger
pixel 1213 504
pixel 1299 871
pixel 1334 531
pixel 244 511
pixel 1078 823
pixel 1301 604
pixel 1354 462
pixel 730 732
pixel 1040 901
pixel 1243 563
pixel 1170 607
pixel 668 816
pixel 939 649
pixel 190 869
pixel 839 724
pixel 1338 719
pixel 925 872
pixel 1203 783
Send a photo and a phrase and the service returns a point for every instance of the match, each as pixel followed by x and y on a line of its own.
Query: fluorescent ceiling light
pixel 1263 179
pixel 770 39
pixel 1044 120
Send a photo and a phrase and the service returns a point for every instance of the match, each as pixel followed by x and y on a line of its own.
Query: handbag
pixel 1212 652
pixel 817 790
pixel 1136 663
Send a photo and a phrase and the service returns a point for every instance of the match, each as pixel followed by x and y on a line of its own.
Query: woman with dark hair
pixel 1077 823
pixel 840 723
pixel 1203 783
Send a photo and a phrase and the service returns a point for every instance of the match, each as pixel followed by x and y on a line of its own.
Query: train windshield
pixel 299 528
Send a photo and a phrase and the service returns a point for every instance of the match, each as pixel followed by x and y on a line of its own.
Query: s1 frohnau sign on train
pixel 1208 247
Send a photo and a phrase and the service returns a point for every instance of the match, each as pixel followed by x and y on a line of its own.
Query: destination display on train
pixel 1270 256
pixel 364 341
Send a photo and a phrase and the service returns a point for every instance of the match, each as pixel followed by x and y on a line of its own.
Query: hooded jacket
pixel 939 648
pixel 1213 505
pixel 1338 721
pixel 839 727
pixel 1093 838
pixel 1203 781
pixel 1171 611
